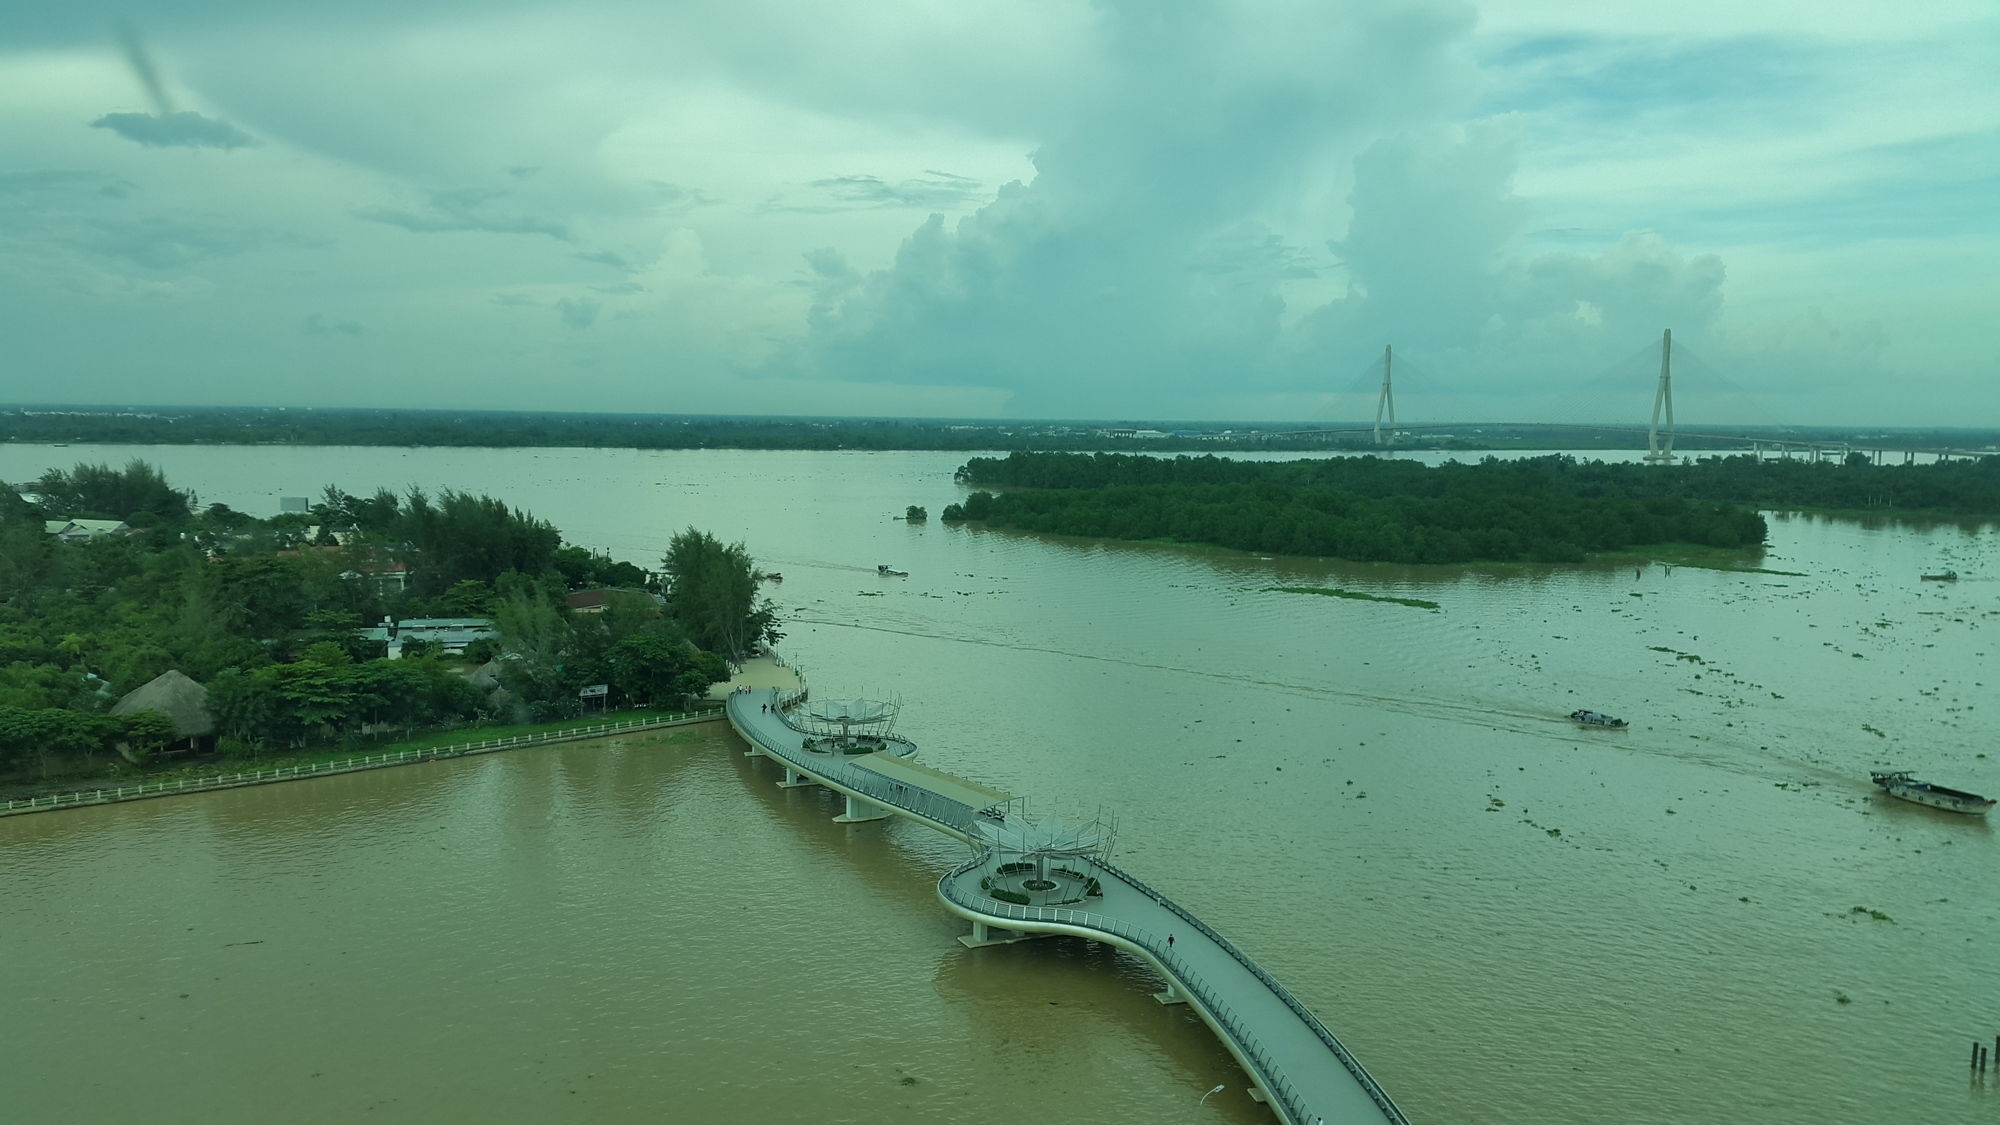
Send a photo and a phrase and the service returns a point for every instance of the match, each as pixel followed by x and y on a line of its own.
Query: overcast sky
pixel 1027 208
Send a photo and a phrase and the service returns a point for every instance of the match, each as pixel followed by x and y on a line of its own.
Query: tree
pixel 651 667
pixel 712 594
pixel 914 514
pixel 462 536
pixel 137 494
pixel 145 734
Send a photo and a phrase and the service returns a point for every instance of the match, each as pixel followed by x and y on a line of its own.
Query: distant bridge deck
pixel 1297 1065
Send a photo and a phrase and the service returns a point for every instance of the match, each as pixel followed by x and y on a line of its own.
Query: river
pixel 1711 916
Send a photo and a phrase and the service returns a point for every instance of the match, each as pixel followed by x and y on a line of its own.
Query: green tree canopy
pixel 712 594
pixel 137 494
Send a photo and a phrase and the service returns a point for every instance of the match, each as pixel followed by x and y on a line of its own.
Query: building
pixel 449 634
pixel 77 531
pixel 183 701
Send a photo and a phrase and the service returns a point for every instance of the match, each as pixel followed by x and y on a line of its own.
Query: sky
pixel 1207 210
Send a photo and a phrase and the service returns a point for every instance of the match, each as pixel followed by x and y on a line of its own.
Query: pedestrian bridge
pixel 1295 1064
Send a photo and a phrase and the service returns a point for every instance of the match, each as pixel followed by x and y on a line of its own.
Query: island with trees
pixel 1546 509
pixel 359 619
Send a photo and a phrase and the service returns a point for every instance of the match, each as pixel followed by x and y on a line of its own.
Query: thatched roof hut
pixel 175 696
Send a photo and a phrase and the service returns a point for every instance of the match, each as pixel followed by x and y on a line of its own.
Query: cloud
pixel 186 129
pixel 49 185
pixel 677 197
pixel 1142 266
pixel 578 313
pixel 463 209
pixel 933 191
pixel 163 242
pixel 1437 263
pixel 317 325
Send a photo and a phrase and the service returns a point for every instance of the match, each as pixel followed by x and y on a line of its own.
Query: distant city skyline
pixel 1036 210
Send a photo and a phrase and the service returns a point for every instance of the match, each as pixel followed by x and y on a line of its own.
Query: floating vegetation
pixel 1875 914
pixel 1354 594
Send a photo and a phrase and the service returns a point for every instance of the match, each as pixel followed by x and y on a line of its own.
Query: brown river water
pixel 1507 918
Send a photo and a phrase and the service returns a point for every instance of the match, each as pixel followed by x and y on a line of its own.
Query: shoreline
pixel 110 795
pixel 756 672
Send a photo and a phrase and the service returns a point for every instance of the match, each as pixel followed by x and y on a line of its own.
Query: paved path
pixel 1305 1073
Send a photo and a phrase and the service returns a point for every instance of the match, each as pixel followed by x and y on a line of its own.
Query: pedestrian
pixel 1170 941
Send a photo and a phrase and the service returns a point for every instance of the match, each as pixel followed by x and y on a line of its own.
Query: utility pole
pixel 1387 401
pixel 1656 450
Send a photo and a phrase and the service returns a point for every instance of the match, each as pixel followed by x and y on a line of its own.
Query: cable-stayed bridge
pixel 1660 430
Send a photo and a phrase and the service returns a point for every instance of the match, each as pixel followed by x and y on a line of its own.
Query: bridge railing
pixel 105 795
pixel 1268 1073
pixel 1353 1065
pixel 944 810
pixel 910 798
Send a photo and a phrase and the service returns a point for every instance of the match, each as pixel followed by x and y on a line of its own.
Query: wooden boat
pixel 1899 783
pixel 1596 719
pixel 887 571
pixel 1942 576
pixel 774 576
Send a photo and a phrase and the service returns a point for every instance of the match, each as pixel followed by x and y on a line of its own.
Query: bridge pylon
pixel 1387 400
pixel 1658 450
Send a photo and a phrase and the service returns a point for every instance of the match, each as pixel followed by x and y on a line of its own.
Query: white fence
pixel 108 794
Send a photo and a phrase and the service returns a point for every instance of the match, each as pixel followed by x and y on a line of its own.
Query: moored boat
pixel 1899 783
pixel 1942 576
pixel 1596 719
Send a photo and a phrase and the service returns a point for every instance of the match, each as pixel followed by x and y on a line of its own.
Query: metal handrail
pixel 107 795
pixel 1375 1092
pixel 916 800
pixel 962 817
pixel 1268 1073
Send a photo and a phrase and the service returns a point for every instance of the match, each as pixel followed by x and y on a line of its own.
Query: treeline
pixel 1548 509
pixel 519 429
pixel 510 430
pixel 270 616
pixel 1966 487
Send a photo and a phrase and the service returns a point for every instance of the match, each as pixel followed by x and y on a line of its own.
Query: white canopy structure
pixel 846 718
pixel 1045 838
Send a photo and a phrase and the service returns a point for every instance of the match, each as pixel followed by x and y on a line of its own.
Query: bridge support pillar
pixel 983 935
pixel 1172 995
pixel 858 812
pixel 794 779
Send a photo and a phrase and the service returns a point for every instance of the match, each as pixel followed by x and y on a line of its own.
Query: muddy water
pixel 1509 919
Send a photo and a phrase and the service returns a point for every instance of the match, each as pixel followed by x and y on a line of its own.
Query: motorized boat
pixel 1942 576
pixel 1596 719
pixel 774 576
pixel 1899 783
pixel 887 571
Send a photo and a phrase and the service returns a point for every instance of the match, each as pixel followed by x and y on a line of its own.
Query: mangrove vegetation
pixel 1547 509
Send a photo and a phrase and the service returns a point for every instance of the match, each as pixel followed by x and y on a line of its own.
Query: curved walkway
pixel 1297 1064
